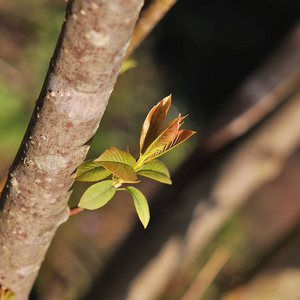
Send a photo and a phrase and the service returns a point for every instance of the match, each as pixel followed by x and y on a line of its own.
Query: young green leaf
pixel 7 295
pixel 141 205
pixel 90 171
pixel 119 162
pixel 127 65
pixel 153 122
pixel 156 170
pixel 97 195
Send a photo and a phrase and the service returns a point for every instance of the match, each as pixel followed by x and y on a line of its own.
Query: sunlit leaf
pixel 90 171
pixel 127 65
pixel 166 136
pixel 141 205
pixel 7 295
pixel 156 170
pixel 182 135
pixel 153 122
pixel 97 195
pixel 119 162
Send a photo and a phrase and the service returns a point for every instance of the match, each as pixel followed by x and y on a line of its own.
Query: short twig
pixel 75 210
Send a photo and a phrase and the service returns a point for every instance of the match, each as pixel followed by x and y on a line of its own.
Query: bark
pixel 80 79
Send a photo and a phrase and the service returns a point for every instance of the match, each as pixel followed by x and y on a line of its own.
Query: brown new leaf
pixel 181 136
pixel 167 135
pixel 153 122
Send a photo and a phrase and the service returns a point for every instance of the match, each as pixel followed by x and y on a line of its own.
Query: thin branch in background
pixel 148 19
pixel 9 72
pixel 259 95
pixel 254 163
pixel 246 120
pixel 207 274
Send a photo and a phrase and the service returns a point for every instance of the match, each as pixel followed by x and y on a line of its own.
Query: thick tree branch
pixel 80 79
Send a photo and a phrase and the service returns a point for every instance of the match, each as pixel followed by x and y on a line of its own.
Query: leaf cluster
pixel 125 169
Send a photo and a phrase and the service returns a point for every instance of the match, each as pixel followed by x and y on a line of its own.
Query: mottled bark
pixel 80 79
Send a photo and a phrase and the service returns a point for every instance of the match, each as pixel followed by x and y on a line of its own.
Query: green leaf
pixel 119 162
pixel 156 170
pixel 7 295
pixel 153 122
pixel 141 205
pixel 90 171
pixel 97 195
pixel 127 65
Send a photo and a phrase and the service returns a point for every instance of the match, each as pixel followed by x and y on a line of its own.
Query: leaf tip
pixel 146 225
pixel 141 205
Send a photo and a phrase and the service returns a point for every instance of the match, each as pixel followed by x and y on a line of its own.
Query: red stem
pixel 75 210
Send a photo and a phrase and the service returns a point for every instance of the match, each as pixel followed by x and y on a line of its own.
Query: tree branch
pixel 149 18
pixel 261 93
pixel 74 96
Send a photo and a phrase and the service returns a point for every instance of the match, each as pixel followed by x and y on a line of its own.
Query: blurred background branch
pixel 152 13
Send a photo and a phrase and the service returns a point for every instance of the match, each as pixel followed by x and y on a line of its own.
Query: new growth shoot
pixel 123 168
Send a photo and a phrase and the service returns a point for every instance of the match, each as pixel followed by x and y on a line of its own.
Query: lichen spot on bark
pixel 98 39
pixel 52 94
pixel 94 6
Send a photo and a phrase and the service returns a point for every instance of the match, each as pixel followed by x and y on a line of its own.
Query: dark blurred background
pixel 206 49
pixel 204 53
